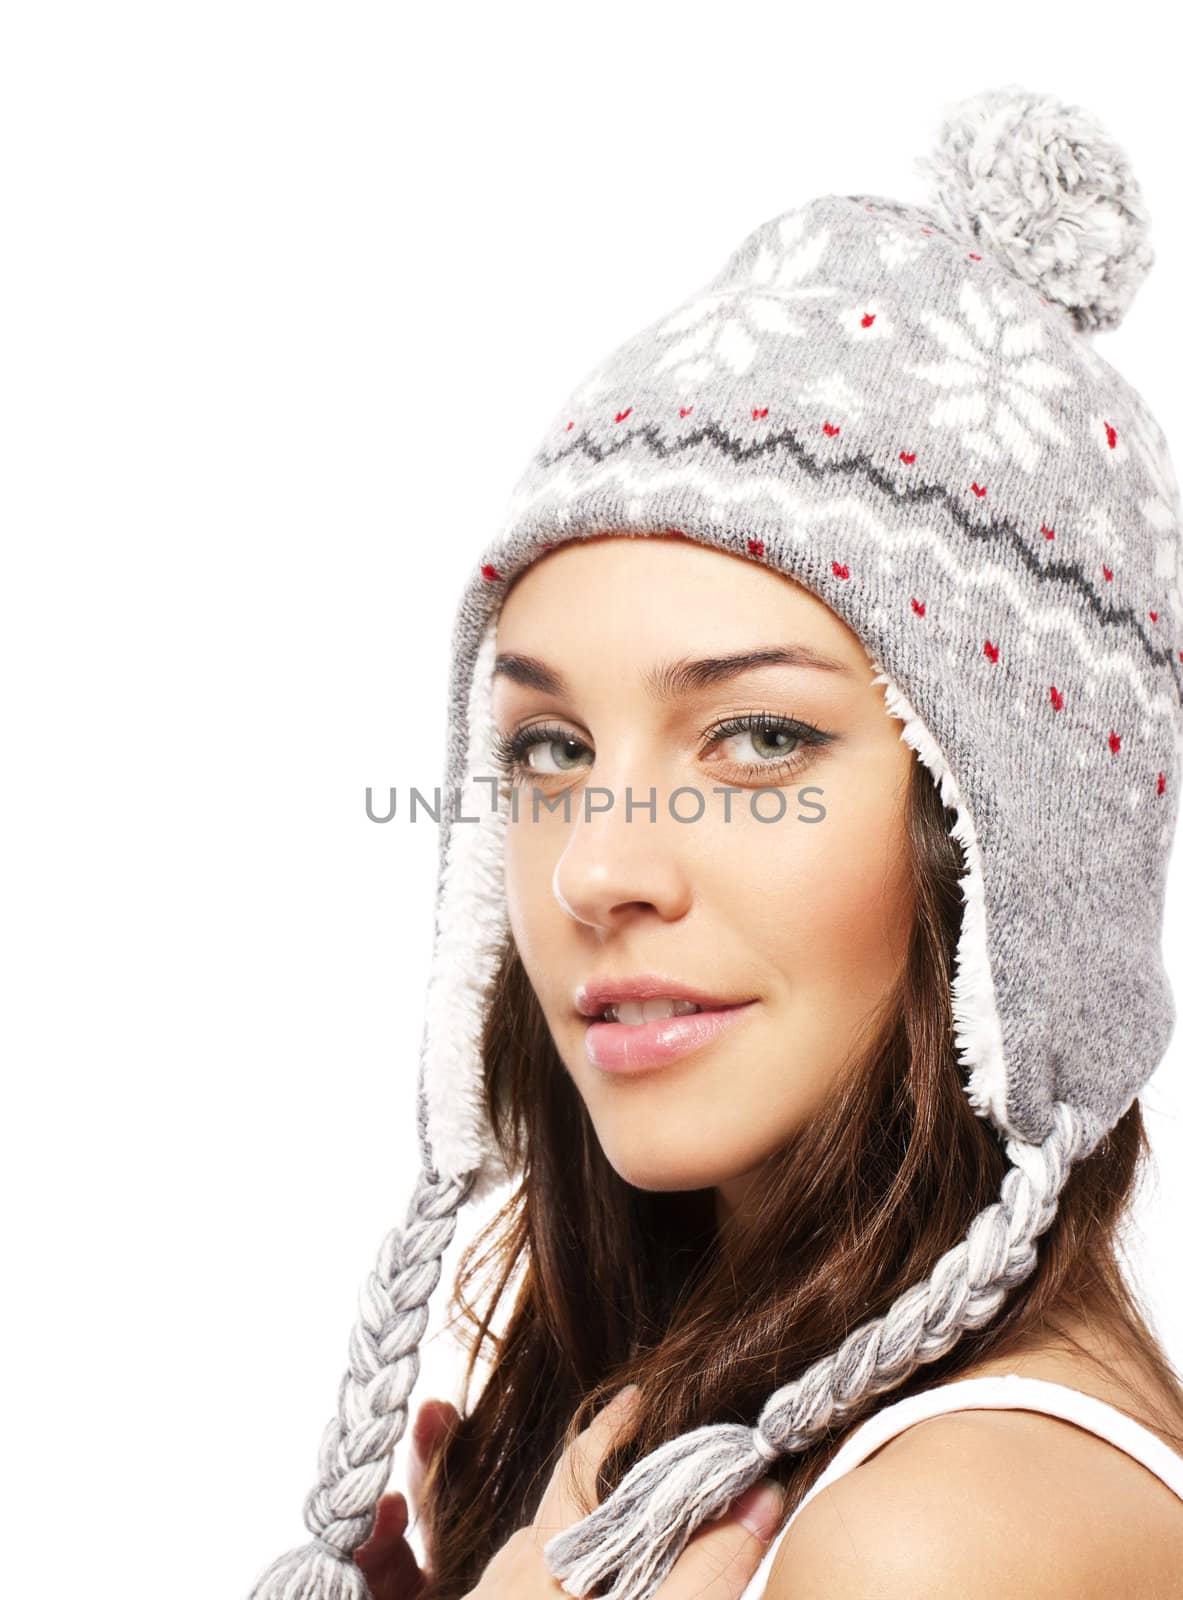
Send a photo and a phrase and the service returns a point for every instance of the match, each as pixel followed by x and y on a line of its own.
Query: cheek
pixel 818 914
pixel 833 909
pixel 535 916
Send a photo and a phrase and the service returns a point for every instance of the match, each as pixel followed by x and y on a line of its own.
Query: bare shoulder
pixel 982 1503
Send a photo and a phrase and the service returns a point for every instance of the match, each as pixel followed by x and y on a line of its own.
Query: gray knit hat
pixel 900 407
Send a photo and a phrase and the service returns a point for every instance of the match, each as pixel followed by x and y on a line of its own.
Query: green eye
pixel 780 744
pixel 789 742
pixel 557 744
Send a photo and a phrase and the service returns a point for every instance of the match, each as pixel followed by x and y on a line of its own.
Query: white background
pixel 291 291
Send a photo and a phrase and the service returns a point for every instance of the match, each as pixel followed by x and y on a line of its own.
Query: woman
pixel 786 725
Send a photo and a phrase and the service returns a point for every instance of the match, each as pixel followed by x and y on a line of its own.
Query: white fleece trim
pixel 977 1027
pixel 473 922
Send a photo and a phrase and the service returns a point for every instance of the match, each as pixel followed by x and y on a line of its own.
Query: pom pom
pixel 1042 185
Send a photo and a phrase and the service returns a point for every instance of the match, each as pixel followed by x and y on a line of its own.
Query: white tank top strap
pixel 1009 1391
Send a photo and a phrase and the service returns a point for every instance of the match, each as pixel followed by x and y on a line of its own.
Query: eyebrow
pixel 673 678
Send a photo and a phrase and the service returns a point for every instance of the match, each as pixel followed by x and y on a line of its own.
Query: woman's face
pixel 802 915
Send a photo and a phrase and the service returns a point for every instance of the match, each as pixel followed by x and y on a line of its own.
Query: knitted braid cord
pixel 638 1533
pixel 358 1444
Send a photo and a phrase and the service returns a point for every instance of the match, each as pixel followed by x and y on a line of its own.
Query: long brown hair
pixel 614 1284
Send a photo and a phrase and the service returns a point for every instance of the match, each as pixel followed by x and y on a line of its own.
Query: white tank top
pixel 1009 1392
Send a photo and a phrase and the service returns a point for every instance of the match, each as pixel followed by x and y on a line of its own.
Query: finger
pixel 394 1576
pixel 390 1522
pixel 719 1560
pixel 572 1484
pixel 387 1560
pixel 435 1421
pixel 436 1417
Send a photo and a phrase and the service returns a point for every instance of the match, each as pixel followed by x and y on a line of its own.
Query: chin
pixel 661 1171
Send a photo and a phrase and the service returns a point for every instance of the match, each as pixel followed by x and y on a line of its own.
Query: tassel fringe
pixel 637 1534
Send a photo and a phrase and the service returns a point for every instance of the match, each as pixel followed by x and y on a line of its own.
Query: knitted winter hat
pixel 900 408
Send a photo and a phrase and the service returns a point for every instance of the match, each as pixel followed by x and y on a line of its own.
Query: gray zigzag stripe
pixel 1062 572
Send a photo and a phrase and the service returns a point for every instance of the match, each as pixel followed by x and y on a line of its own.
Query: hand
pixel 386 1558
pixel 717 1563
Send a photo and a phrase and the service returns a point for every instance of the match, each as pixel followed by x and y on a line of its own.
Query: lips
pixel 593 997
pixel 619 1047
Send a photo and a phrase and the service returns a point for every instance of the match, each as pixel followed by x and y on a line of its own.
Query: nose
pixel 615 868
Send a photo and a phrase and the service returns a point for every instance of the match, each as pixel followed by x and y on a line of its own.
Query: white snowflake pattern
pixel 1146 439
pixel 994 376
pixel 726 328
pixel 898 248
pixel 1097 525
pixel 1168 568
pixel 1142 440
pixel 1105 375
pixel 833 395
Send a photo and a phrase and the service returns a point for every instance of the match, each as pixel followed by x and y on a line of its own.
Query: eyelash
pixel 509 754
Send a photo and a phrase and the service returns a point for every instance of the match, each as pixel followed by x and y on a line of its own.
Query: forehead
pixel 664 597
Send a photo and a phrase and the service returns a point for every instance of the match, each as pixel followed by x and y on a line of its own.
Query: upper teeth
pixel 634 1012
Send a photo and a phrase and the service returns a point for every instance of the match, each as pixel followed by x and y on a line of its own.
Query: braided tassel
pixel 357 1446
pixel 314 1571
pixel 644 1525
pixel 640 1530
